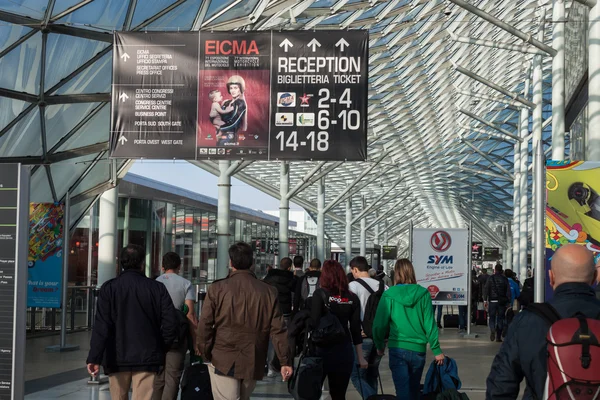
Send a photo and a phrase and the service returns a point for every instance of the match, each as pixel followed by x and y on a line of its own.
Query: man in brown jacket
pixel 239 315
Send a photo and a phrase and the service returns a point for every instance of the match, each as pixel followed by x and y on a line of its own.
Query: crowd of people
pixel 249 328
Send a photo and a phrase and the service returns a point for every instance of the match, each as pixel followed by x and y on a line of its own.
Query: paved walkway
pixel 63 375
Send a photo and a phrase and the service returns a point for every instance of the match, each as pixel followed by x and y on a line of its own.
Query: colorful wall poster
pixel 441 261
pixel 573 208
pixel 45 255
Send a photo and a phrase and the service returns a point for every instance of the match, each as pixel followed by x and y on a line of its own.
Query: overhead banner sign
pixel 573 208
pixel 45 259
pixel 440 258
pixel 294 95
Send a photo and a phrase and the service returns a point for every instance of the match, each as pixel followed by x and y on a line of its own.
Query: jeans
pixel 462 317
pixel 366 378
pixel 496 316
pixel 407 368
pixel 440 308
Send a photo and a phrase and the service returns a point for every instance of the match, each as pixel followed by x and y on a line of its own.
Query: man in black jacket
pixel 496 297
pixel 284 281
pixel 307 284
pixel 524 354
pixel 134 327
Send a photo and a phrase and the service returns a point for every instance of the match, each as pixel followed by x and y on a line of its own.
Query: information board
pixel 12 291
pixel 476 251
pixel 294 95
pixel 440 258
pixel 491 254
pixel 389 252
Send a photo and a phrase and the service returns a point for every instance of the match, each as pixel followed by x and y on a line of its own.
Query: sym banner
pixel 45 255
pixel 573 208
pixel 440 258
pixel 295 95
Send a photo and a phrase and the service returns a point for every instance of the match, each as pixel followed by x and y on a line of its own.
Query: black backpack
pixel 183 330
pixel 329 330
pixel 309 285
pixel 371 306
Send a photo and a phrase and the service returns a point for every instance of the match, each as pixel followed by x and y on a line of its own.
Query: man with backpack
pixel 166 383
pixel 369 291
pixel 530 350
pixel 496 297
pixel 307 284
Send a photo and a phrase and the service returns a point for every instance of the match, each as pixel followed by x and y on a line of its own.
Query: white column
pixel 376 230
pixel 509 249
pixel 516 206
pixel 321 221
pixel 348 245
pixel 223 207
pixel 284 210
pixel 593 133
pixel 363 230
pixel 540 201
pixel 537 127
pixel 523 189
pixel 558 80
pixel 107 236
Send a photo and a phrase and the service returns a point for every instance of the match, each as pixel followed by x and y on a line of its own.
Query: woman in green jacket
pixel 406 312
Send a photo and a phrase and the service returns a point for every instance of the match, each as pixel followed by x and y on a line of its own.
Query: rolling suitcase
pixel 481 318
pixel 379 396
pixel 451 321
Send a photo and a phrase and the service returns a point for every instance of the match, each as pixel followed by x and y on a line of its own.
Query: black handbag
pixel 329 330
pixel 195 384
pixel 306 382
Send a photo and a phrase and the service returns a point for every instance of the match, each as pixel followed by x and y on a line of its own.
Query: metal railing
pixel 81 309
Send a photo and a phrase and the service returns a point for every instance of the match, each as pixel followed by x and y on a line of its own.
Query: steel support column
pixel 540 201
pixel 363 230
pixel 284 210
pixel 516 206
pixel 558 80
pixel 107 235
pixel 348 248
pixel 65 278
pixel 538 90
pixel 321 221
pixel 509 248
pixel 376 230
pixel 593 133
pixel 223 208
pixel 523 189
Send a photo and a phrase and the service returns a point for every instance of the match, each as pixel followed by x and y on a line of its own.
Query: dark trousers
pixel 462 317
pixel 337 367
pixel 166 383
pixel 496 316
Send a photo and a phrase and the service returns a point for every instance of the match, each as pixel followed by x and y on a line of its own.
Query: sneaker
pixel 493 336
pixel 503 334
pixel 461 331
pixel 271 374
pixel 498 340
pixel 440 326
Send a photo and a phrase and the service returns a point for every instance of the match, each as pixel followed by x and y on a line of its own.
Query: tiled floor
pixel 62 375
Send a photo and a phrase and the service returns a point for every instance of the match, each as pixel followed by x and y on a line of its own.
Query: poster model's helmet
pixel 236 80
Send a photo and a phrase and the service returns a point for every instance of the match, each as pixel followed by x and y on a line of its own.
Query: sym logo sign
pixel 440 241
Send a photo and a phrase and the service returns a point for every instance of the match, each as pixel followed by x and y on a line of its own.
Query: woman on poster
pixel 237 119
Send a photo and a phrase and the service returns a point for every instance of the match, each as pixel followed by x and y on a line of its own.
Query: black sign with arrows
pixel 319 95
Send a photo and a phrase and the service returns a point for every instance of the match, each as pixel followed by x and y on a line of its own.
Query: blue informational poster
pixel 45 255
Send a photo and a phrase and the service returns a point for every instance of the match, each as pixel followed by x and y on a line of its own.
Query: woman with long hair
pixel 406 312
pixel 338 358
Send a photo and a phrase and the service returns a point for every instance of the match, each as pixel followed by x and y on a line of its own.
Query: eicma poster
pixel 573 207
pixel 440 258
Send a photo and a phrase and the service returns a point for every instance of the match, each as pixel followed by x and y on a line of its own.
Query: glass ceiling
pixel 56 58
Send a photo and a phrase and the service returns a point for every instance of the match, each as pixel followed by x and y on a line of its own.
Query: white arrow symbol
pixel 342 44
pixel 125 56
pixel 313 43
pixel 123 97
pixel 286 44
pixel 122 139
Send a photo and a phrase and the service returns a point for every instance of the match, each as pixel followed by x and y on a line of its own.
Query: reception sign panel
pixel 441 259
